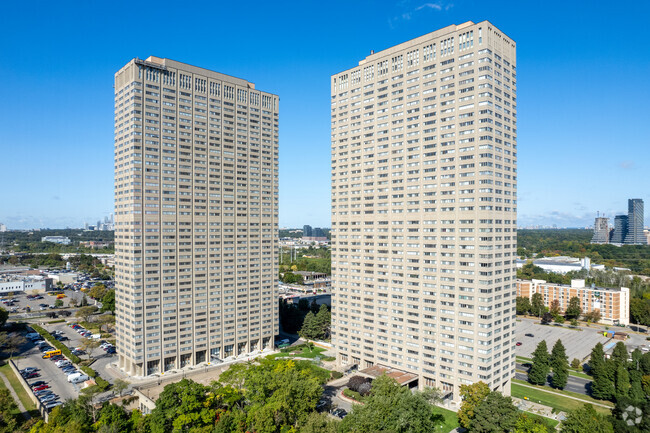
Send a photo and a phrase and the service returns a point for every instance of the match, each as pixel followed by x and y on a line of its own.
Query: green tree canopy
pixel 472 396
pixel 539 371
pixel 495 414
pixel 586 420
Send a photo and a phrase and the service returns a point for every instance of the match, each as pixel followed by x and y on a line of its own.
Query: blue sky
pixel 583 92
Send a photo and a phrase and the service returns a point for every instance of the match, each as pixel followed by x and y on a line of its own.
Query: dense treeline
pixel 297 233
pixel 269 397
pixel 30 241
pixel 314 259
pixel 575 243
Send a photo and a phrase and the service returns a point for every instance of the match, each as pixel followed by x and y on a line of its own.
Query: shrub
pixel 102 384
pixel 356 381
pixel 364 388
pixel 576 363
pixel 337 375
pixel 89 371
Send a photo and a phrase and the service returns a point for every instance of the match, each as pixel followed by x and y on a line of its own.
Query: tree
pixel 529 424
pixel 323 321
pixel 560 365
pixel 356 381
pixel 108 301
pixel 597 359
pixel 574 310
pixel 593 316
pixel 559 319
pixel 12 342
pixel 495 414
pixel 112 418
pixel 586 419
pixel 105 321
pixel 309 328
pixel 574 322
pixel 119 386
pixel 182 406
pixel 472 396
pixel 631 416
pixel 619 355
pixel 554 308
pixel 576 364
pixel 391 408
pixel 602 387
pixel 84 301
pixel 539 371
pixel 4 315
pixel 537 304
pixel 523 305
pixel 88 344
pixel 622 384
pixel 58 303
pixel 86 312
pixel 8 408
pixel 546 318
pixel 98 291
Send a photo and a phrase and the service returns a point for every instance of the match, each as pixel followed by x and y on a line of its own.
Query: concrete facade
pixel 424 162
pixel 196 216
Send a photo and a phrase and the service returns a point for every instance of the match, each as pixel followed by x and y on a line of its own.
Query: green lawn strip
pixel 578 374
pixel 567 393
pixel 18 387
pixel 303 352
pixel 451 419
pixel 523 360
pixel 556 402
pixel 550 421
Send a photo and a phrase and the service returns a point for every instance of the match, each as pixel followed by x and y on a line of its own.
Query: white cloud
pixel 435 6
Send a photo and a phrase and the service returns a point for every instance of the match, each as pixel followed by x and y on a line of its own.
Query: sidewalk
pixel 19 403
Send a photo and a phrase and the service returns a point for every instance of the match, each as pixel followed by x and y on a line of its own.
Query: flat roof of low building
pixel 401 377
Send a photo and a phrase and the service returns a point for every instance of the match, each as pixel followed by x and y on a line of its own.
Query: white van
pixel 74 375
pixel 78 379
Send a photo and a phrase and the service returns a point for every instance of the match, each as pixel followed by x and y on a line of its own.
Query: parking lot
pixel 49 373
pixel 578 344
pixel 47 299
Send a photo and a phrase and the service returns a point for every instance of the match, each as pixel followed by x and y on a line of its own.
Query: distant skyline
pixel 582 90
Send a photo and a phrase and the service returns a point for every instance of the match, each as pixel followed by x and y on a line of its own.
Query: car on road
pixel 529 335
pixel 339 412
pixel 519 343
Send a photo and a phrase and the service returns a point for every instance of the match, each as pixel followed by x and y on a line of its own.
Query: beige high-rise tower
pixel 424 181
pixel 196 216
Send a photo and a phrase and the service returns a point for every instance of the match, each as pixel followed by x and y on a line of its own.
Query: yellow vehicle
pixel 51 353
pixel 61 296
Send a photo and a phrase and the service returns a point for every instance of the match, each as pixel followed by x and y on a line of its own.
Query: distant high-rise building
pixel 601 231
pixel 424 187
pixel 318 233
pixel 620 229
pixel 3 228
pixel 306 231
pixel 634 234
pixel 196 241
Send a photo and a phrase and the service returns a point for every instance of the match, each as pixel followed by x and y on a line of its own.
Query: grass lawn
pixel 557 402
pixel 579 374
pixel 451 419
pixel 303 352
pixel 552 422
pixel 567 393
pixel 523 360
pixel 17 386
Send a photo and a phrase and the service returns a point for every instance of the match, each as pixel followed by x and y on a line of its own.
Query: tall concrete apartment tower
pixel 424 182
pixel 196 216
pixel 601 231
pixel 634 233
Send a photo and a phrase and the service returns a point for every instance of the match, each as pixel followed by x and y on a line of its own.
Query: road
pixel 331 394
pixel 574 383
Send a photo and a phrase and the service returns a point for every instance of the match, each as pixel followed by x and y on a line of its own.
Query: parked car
pixel 529 335
pixel 41 388
pixel 31 375
pixel 37 383
pixel 52 397
pixel 43 392
pixel 110 350
pixel 77 378
pixel 28 370
pixel 51 405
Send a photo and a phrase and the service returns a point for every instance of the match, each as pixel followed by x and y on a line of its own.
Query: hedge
pixel 56 343
pixel 102 383
pixel 89 371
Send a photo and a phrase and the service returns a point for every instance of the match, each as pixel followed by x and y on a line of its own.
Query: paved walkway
pixel 564 395
pixel 19 403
